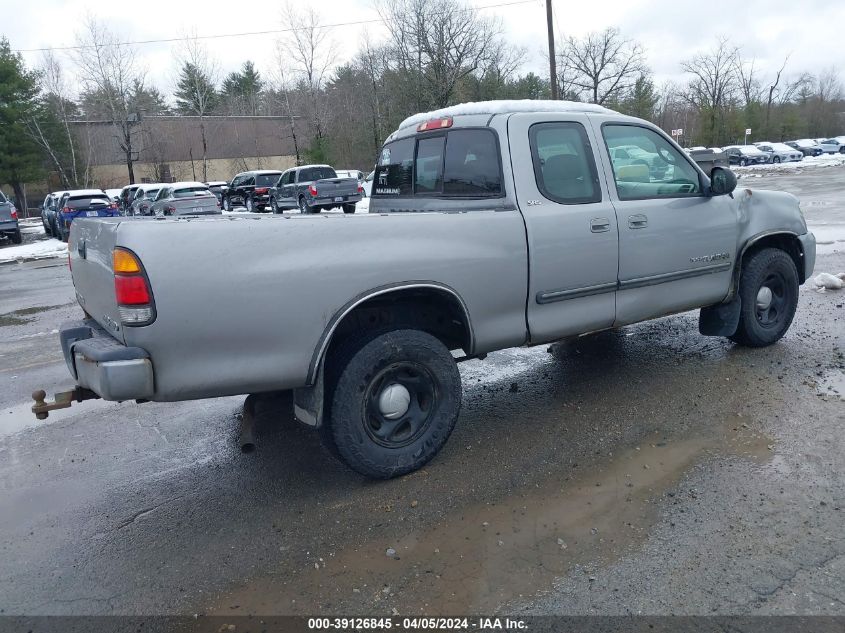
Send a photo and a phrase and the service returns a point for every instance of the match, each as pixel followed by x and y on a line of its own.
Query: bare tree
pixel 436 43
pixel 281 82
pixel 749 83
pixel 603 65
pixel 196 87
pixel 311 53
pixel 713 85
pixel 110 70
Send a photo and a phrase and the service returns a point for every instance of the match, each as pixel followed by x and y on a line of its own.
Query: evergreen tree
pixel 20 156
pixel 195 93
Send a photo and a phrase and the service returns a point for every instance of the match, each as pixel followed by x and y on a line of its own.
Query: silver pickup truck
pixel 491 225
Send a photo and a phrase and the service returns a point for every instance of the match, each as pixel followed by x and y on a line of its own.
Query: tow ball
pixel 62 400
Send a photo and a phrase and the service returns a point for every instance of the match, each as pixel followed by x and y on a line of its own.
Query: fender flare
pixel 751 241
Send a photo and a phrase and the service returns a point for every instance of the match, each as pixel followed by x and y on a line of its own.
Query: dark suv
pixel 250 189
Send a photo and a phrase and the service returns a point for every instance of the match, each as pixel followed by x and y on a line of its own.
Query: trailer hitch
pixel 62 400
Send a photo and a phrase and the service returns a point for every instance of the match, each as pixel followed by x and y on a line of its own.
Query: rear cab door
pixel 570 223
pixel 676 244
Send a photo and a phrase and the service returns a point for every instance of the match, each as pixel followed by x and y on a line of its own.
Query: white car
pixel 780 152
pixel 368 184
pixel 833 145
pixel 114 194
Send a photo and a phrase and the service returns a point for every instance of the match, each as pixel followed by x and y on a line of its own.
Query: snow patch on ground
pixel 44 249
pixel 829 237
pixel 757 171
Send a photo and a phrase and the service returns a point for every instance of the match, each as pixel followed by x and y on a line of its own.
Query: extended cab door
pixel 676 244
pixel 570 223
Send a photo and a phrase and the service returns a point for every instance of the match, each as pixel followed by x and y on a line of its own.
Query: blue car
pixel 85 203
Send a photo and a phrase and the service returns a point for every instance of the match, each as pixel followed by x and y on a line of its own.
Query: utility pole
pixel 552 63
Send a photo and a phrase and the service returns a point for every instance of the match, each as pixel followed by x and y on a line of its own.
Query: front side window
pixel 653 167
pixel 564 166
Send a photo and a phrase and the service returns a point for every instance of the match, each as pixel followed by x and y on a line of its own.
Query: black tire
pixel 48 229
pixel 227 206
pixel 776 159
pixel 349 208
pixel 303 206
pixel 742 162
pixel 761 325
pixel 842 150
pixel 274 208
pixel 16 237
pixel 357 432
pixel 250 205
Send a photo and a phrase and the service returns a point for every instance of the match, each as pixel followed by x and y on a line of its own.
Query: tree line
pixel 436 53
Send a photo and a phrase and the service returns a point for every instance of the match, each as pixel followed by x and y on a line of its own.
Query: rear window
pixel 83 202
pixel 461 162
pixel 310 174
pixel 150 194
pixel 266 180
pixel 191 192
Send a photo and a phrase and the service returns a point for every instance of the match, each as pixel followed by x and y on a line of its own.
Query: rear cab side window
pixel 463 162
pixel 564 165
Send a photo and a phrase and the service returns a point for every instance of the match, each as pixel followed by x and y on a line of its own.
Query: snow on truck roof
pixel 506 106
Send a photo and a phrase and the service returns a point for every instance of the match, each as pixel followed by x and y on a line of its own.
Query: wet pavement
pixel 646 470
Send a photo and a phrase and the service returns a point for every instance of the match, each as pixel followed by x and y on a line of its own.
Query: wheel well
pixel 432 310
pixel 786 242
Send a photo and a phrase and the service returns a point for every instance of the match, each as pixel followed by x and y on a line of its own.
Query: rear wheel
pixel 743 162
pixel 16 237
pixel 303 206
pixel 349 208
pixel 776 159
pixel 768 292
pixel 394 398
pixel 250 206
pixel 48 229
pixel 226 204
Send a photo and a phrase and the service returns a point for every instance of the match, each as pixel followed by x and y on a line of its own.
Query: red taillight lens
pixel 67 210
pixel 261 190
pixel 312 190
pixel 14 213
pixel 435 124
pixel 360 189
pixel 131 290
pixel 113 206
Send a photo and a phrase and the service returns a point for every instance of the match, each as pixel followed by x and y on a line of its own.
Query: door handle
pixel 599 225
pixel 637 221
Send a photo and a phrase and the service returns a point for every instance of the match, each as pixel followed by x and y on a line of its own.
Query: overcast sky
pixel 670 30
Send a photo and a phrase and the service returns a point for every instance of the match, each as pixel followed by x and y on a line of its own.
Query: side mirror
pixel 722 181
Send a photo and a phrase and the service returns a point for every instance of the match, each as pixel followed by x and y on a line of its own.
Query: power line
pixel 250 33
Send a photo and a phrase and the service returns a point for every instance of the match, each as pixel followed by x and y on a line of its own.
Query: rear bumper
pixel 8 226
pixel 103 364
pixel 67 218
pixel 320 202
pixel 808 245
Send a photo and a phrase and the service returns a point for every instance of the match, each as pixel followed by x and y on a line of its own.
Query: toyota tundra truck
pixel 491 225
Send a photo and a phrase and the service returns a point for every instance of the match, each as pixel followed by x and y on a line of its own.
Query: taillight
pixel 67 210
pixel 131 289
pixel 14 213
pixel 261 190
pixel 360 189
pixel 312 190
pixel 113 206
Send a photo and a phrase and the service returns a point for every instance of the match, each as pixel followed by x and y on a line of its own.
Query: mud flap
pixel 721 319
pixel 308 403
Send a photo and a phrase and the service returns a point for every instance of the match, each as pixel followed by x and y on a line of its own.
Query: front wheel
pixel 742 162
pixel 226 204
pixel 768 293
pixel 776 159
pixel 394 400
pixel 349 208
pixel 303 206
pixel 250 206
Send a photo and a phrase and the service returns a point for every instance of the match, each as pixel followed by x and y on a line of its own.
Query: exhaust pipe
pixel 247 433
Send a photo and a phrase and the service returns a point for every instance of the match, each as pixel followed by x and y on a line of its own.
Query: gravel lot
pixel 647 470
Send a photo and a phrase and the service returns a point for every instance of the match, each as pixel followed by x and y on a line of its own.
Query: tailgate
pixel 90 247
pixel 5 211
pixel 331 187
pixel 195 204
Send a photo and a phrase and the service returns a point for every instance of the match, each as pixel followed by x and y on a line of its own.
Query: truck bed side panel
pixel 243 302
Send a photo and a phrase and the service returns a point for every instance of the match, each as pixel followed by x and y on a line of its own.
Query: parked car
pixel 48 211
pixel 832 146
pixel 126 196
pixel 185 198
pixel 351 173
pixel 807 146
pixel 9 227
pixel 114 194
pixel 779 152
pixel 217 187
pixel 143 198
pixel 250 189
pixel 707 159
pixel 743 155
pixel 82 203
pixel 495 225
pixel 314 188
pixel 368 185
pixel 631 155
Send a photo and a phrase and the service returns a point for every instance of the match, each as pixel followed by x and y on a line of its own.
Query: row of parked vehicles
pixel 309 188
pixel 767 152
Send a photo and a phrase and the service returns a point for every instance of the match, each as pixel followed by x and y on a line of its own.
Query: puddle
pixel 484 556
pixel 20 417
pixel 18 317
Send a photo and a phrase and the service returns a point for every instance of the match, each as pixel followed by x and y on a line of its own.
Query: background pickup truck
pixel 314 188
pixel 492 225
